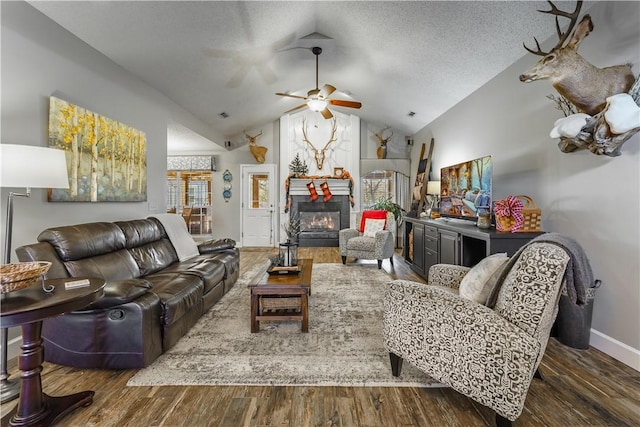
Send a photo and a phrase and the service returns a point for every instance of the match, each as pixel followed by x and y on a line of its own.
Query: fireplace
pixel 320 222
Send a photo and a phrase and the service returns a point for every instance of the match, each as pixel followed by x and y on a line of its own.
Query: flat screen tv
pixel 465 189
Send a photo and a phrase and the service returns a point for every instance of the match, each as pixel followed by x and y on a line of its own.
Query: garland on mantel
pixel 345 175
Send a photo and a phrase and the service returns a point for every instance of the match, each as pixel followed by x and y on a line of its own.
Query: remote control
pixel 77 284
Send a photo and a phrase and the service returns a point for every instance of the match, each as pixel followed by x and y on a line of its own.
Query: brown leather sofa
pixel 151 298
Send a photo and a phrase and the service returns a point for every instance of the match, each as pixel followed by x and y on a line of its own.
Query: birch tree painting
pixel 107 160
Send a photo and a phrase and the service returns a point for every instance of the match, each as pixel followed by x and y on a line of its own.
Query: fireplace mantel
pixel 338 186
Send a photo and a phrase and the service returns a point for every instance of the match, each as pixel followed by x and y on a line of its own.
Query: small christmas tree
pixel 297 166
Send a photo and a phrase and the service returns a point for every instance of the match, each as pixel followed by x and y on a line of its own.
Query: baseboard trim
pixel 616 349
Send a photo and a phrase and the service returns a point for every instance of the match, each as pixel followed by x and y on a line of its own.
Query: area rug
pixel 344 345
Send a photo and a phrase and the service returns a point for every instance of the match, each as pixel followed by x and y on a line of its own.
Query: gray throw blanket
pixel 578 274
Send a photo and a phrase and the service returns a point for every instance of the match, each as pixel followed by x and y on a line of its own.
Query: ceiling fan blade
pixel 326 91
pixel 291 96
pixel 326 113
pixel 296 108
pixel 343 103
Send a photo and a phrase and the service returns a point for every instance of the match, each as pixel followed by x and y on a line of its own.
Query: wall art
pixel 106 159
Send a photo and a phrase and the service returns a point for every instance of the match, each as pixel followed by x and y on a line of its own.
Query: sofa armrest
pixel 211 246
pixel 117 292
pixel 461 343
pixel 448 275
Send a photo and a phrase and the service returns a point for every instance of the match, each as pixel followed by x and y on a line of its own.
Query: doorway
pixel 258 195
pixel 189 194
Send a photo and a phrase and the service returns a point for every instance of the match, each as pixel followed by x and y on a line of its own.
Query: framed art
pixel 338 171
pixel 106 159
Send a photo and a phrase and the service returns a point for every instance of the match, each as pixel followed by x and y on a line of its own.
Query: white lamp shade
pixel 433 187
pixel 317 104
pixel 26 166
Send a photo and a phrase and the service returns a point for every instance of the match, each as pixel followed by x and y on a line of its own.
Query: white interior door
pixel 258 221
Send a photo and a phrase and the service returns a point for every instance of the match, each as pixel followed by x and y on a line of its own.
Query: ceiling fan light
pixel 317 104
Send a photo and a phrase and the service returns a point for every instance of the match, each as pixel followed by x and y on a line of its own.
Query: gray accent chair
pixel 487 354
pixel 354 244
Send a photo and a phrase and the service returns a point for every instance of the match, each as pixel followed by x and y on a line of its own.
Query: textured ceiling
pixel 394 57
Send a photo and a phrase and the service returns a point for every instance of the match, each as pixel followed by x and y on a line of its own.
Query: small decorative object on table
pixel 288 254
pixel 14 277
pixel 279 269
pixel 518 217
pixel 484 220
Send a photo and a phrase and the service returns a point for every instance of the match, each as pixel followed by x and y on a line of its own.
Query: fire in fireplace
pixel 319 221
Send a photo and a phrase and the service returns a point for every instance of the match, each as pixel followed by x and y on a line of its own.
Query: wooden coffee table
pixel 287 288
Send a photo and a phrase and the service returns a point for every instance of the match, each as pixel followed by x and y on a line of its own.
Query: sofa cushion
pixel 118 265
pixel 118 292
pixel 210 270
pixel 211 246
pixel 154 256
pixel 179 293
pixel 139 232
pixel 84 240
pixel 476 284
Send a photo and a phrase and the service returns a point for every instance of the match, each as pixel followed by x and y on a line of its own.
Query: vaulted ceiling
pixel 232 57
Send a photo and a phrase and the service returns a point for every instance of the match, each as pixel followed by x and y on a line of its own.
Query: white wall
pixel 40 59
pixel 594 199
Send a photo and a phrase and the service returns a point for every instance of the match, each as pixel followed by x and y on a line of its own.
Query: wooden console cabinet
pixel 459 242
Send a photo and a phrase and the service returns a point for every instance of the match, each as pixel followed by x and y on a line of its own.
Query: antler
pixel 319 156
pixel 562 36
pixel 252 139
pixel 381 139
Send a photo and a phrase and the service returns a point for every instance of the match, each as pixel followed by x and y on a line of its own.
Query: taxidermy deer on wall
pixel 382 143
pixel 257 151
pixel 583 84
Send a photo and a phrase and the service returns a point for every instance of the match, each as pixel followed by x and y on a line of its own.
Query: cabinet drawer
pixel 431 231
pixel 430 258
pixel 431 242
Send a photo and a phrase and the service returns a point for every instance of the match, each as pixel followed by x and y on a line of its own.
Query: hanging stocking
pixel 312 191
pixel 327 193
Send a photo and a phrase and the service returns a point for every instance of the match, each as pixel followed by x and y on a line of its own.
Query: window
pixel 376 185
pixel 259 191
pixel 191 189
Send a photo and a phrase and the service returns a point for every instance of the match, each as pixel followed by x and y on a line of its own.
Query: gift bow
pixel 511 207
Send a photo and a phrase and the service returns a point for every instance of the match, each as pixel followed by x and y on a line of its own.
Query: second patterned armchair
pixel 375 242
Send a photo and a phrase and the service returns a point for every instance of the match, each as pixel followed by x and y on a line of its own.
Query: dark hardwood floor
pixel 580 388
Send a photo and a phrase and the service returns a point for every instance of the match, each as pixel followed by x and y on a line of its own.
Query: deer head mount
pixel 382 143
pixel 319 155
pixel 583 84
pixel 257 151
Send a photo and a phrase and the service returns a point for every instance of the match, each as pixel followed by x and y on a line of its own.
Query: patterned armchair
pixel 487 354
pixel 355 244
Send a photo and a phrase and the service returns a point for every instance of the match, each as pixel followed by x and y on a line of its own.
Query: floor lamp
pixel 24 166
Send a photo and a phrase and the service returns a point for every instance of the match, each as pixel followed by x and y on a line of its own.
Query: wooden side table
pixel 282 286
pixel 28 308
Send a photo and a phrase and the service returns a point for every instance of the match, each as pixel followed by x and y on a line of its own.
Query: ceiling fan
pixel 318 99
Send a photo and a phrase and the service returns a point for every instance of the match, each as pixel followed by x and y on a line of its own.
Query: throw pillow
pixel 372 226
pixel 373 214
pixel 475 285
